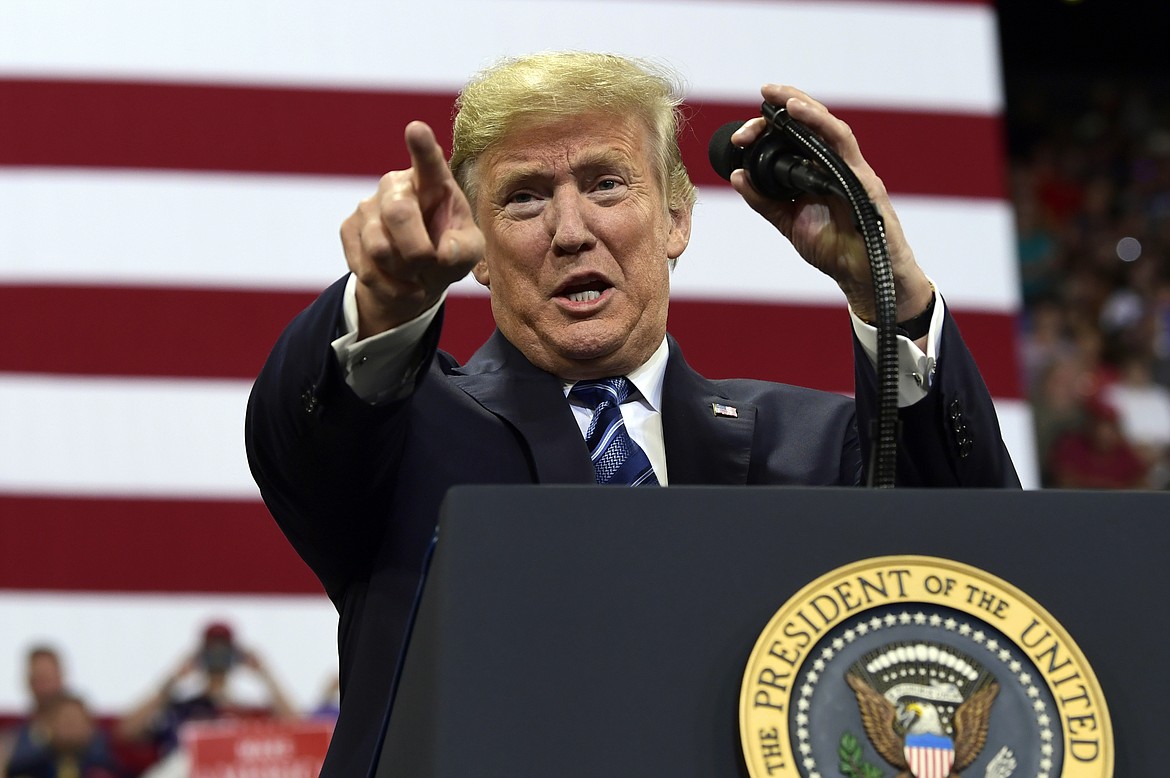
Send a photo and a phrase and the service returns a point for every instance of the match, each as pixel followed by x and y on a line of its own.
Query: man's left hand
pixel 821 228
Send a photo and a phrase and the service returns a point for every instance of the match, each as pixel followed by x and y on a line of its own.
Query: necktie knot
pixel 594 394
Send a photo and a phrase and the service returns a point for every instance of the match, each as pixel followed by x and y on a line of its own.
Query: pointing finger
pixel 426 158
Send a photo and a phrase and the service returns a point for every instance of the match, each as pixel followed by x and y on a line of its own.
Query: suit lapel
pixel 533 402
pixel 704 444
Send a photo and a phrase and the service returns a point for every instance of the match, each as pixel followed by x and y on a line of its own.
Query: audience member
pixel 328 707
pixel 160 716
pixel 1058 405
pixel 74 747
pixel 1143 409
pixel 44 678
pixel 1091 185
pixel 1096 455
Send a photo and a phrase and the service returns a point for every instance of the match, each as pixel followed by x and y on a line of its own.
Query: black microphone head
pixel 725 156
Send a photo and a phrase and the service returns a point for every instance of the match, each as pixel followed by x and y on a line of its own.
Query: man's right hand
pixel 411 240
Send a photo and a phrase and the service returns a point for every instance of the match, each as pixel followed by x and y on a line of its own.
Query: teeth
pixel 584 297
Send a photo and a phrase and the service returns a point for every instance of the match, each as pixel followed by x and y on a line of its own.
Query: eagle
pixel 880 719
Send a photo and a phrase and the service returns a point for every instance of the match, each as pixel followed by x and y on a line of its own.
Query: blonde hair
pixel 556 85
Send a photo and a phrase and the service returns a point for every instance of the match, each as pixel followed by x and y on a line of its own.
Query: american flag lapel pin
pixel 725 410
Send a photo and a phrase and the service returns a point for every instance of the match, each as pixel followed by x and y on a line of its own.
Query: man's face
pixel 71 728
pixel 44 678
pixel 578 241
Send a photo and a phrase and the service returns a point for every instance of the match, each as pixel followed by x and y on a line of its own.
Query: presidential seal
pixel 917 666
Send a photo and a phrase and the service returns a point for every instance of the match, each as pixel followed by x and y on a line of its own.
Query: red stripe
pixel 354 132
pixel 915 152
pixel 216 333
pixel 139 331
pixel 129 545
pixel 811 345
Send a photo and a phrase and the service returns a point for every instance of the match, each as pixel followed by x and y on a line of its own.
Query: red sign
pixel 256 749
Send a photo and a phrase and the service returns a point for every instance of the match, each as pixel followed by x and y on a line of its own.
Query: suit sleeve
pixel 950 438
pixel 324 459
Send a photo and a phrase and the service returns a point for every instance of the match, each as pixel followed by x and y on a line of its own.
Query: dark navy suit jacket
pixel 356 488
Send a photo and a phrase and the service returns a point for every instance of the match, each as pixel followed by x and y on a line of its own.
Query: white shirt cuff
pixel 915 367
pixel 378 368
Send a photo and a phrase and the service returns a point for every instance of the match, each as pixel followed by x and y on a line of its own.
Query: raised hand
pixel 411 239
pixel 821 228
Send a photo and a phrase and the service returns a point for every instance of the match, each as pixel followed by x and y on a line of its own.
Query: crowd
pixel 1090 173
pixel 61 738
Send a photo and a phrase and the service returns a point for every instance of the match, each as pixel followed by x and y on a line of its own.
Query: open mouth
pixel 585 292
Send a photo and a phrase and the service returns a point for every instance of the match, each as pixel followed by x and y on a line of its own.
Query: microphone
pixel 778 169
pixel 775 171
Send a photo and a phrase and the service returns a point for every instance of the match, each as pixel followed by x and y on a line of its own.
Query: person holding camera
pixel 160 717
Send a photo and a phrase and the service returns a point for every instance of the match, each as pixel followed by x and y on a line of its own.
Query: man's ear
pixel 680 233
pixel 480 271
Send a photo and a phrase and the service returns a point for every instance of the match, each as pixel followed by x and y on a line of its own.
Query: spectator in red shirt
pixel 1096 455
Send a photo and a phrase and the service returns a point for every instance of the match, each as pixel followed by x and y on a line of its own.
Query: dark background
pixel 1087 130
pixel 1057 52
pixel 1083 39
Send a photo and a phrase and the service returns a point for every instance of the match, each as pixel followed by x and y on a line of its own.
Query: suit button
pixel 309 400
pixel 965 446
pixel 963 437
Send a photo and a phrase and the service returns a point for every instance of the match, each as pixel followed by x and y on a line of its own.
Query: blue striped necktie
pixel 617 459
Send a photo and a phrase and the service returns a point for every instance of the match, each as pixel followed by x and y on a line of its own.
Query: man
pixel 74 746
pixel 566 196
pixel 45 680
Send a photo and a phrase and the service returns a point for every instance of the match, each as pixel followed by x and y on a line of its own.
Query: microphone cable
pixel 884 429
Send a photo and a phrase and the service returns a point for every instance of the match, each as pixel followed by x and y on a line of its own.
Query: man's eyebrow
pixel 521 174
pixel 586 162
pixel 603 158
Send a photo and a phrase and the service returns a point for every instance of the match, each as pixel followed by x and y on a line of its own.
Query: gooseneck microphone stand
pixel 779 164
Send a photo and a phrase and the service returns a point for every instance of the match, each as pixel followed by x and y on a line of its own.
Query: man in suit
pixel 566 196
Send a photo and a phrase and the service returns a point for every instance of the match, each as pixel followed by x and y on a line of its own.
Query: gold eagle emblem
pixel 925 690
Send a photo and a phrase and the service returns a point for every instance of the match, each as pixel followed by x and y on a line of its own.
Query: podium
pixel 584 631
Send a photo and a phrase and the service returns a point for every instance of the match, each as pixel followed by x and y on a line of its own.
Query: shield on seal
pixel 929 756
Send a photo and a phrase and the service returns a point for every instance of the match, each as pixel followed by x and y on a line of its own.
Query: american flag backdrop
pixel 172 180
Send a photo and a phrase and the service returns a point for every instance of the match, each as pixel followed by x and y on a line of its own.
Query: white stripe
pixel 646 476
pixel 184 438
pixel 129 436
pixel 945 56
pixel 119 648
pixel 967 246
pixel 607 438
pixel 1015 421
pixel 265 232
pixel 174 228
